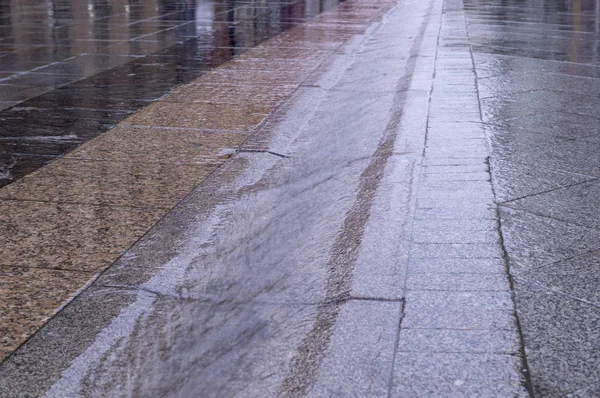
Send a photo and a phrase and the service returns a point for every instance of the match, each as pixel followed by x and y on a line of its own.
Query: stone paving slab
pixel 369 327
pixel 66 80
pixel 112 190
pixel 69 236
pixel 447 293
pixel 538 80
pixel 161 146
pixel 30 297
pixel 141 185
pixel 320 293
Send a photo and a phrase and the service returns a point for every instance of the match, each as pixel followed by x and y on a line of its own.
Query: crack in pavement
pixel 548 191
pixel 557 292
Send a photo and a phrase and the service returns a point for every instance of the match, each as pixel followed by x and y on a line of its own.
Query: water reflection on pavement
pixel 70 70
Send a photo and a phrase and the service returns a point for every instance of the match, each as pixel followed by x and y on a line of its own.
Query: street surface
pixel 376 198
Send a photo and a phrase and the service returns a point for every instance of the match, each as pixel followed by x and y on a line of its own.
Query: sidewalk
pixel 392 199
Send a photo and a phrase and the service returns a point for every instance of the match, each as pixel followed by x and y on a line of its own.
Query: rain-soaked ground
pixel 70 70
pixel 395 198
pixel 538 68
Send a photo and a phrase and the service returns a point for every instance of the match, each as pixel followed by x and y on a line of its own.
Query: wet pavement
pixel 71 70
pixel 382 199
pixel 64 224
pixel 538 68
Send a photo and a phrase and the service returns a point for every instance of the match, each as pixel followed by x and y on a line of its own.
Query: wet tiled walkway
pixel 63 224
pixel 538 65
pixel 71 70
pixel 395 198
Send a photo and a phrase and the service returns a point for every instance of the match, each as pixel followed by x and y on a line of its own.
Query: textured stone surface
pixel 577 277
pixel 29 297
pixel 83 211
pixel 362 251
pixel 538 79
pixel 574 204
pixel 74 80
pixel 201 116
pixel 359 357
pixel 458 334
pixel 453 368
pixel 155 145
pixel 457 282
pixel 141 185
pixel 278 216
pixel 534 241
pixel 459 341
pixel 458 265
pixel 246 95
pixel 69 236
pixel 561 338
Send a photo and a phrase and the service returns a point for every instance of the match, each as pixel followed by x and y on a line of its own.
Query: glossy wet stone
pixel 575 203
pixel 200 116
pixel 154 273
pixel 247 95
pixel 90 319
pixel 18 94
pixel 69 236
pixel 363 335
pixel 561 337
pixel 381 266
pixel 35 79
pixel 518 180
pixel 15 166
pixel 105 195
pixel 114 60
pixel 538 79
pixel 112 183
pixel 248 336
pixel 271 334
pixel 74 97
pixel 557 153
pixel 29 297
pixel 160 146
pixel 277 219
pixel 533 241
pixel 73 123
